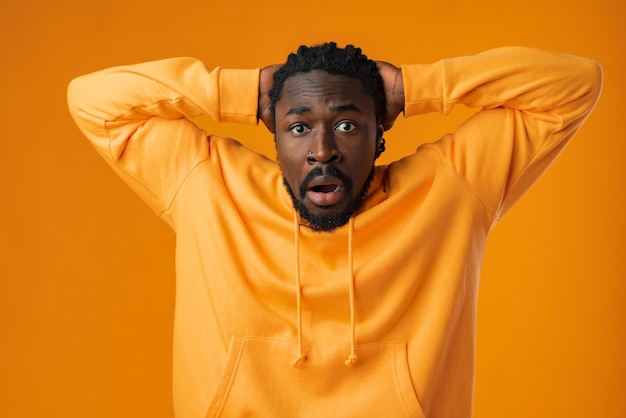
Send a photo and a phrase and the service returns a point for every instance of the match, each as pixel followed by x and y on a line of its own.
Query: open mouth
pixel 325 193
pixel 326 188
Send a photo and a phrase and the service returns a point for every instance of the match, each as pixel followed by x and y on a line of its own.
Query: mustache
pixel 329 170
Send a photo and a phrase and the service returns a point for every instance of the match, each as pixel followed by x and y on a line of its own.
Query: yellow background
pixel 86 270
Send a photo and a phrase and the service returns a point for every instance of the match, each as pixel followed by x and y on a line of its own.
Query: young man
pixel 323 285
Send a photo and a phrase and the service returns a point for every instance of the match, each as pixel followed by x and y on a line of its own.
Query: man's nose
pixel 323 148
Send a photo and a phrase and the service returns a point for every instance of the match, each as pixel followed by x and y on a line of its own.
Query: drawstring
pixel 301 356
pixel 352 358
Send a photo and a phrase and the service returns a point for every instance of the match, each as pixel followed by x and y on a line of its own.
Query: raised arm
pixel 532 102
pixel 137 118
pixel 516 77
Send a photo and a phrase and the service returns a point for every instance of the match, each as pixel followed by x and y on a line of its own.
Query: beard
pixel 328 222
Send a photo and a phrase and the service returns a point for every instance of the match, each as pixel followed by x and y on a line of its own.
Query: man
pixel 323 285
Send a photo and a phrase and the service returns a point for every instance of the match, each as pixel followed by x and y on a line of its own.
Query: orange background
pixel 86 270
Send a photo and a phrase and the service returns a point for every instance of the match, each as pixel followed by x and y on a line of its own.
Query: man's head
pixel 328 105
pixel 348 61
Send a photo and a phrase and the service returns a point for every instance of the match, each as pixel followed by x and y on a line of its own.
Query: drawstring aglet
pixel 296 362
pixel 351 360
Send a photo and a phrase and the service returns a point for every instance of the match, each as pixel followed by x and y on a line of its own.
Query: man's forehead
pixel 321 79
pixel 341 93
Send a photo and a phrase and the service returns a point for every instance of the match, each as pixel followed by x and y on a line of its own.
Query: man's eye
pixel 345 127
pixel 298 129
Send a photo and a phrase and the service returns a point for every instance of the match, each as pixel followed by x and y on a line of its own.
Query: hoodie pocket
pixel 259 381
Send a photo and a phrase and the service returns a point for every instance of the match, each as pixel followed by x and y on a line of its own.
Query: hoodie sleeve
pixel 532 102
pixel 137 118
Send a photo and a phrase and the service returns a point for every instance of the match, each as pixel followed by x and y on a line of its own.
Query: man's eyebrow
pixel 297 111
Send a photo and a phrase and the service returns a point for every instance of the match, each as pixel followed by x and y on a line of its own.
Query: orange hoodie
pixel 376 319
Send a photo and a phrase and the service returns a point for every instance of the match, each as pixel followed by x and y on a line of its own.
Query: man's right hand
pixel 266 81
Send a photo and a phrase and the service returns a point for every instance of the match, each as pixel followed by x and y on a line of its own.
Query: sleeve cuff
pixel 238 95
pixel 423 89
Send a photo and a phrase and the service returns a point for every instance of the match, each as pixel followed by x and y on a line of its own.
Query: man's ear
pixel 380 141
pixel 380 130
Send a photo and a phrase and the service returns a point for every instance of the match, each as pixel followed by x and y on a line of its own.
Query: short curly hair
pixel 348 61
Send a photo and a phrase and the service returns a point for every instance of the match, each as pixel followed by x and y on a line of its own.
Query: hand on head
pixel 394 91
pixel 266 81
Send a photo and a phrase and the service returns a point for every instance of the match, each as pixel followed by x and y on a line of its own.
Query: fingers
pixel 266 81
pixel 394 91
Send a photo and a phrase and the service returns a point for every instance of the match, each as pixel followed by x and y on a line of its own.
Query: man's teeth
pixel 328 188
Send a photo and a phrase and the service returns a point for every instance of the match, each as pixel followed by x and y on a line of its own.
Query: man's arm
pixel 516 77
pixel 532 103
pixel 137 118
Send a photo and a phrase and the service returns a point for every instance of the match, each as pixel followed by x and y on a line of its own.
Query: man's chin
pixel 326 210
pixel 324 218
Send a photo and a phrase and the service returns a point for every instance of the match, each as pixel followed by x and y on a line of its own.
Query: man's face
pixel 326 139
